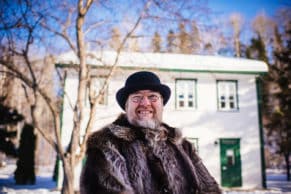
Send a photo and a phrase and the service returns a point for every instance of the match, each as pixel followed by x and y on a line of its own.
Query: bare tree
pixel 171 41
pixel 75 25
pixel 264 26
pixel 236 21
pixel 156 42
pixel 184 39
pixel 115 41
pixel 69 157
pixel 133 44
pixel 195 37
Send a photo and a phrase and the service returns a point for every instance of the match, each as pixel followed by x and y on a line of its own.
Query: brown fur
pixel 130 160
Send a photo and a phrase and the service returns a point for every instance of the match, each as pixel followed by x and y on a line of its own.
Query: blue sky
pixel 248 8
pixel 222 9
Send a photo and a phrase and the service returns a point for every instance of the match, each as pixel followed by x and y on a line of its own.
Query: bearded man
pixel 138 153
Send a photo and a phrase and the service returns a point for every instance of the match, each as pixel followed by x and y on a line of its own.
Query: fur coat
pixel 125 159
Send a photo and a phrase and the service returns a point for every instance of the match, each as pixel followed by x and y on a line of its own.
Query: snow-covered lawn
pixel 44 183
pixel 276 181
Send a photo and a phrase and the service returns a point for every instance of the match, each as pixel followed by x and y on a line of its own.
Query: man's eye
pixel 153 97
pixel 137 97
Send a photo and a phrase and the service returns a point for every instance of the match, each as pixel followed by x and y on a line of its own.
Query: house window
pixel 185 94
pixel 95 85
pixel 227 95
pixel 194 142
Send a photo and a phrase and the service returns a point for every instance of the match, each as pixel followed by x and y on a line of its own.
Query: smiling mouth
pixel 145 113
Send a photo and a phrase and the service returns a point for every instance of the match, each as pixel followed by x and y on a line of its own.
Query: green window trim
pixel 229 101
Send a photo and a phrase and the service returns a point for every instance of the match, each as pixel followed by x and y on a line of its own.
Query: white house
pixel 214 101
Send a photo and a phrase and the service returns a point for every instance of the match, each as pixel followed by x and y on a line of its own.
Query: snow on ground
pixel 44 183
pixel 276 181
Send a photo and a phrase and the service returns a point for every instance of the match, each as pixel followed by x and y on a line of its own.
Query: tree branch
pixel 108 77
pixel 16 73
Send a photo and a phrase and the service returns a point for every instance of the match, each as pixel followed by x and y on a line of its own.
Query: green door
pixel 230 162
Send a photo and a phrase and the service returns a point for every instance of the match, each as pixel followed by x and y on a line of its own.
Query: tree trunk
pixel 237 47
pixel 287 166
pixel 68 182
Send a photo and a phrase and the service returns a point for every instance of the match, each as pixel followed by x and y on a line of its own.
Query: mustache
pixel 145 107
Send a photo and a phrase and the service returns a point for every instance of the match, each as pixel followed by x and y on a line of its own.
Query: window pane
pixel 190 104
pixel 222 104
pixel 227 93
pixel 230 157
pixel 181 103
pixel 185 96
pixel 231 105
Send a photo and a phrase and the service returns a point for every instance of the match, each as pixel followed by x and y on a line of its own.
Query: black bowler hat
pixel 142 80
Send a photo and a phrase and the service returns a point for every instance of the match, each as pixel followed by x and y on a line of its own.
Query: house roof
pixel 168 62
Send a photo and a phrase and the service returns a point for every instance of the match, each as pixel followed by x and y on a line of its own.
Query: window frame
pixel 190 80
pixel 227 102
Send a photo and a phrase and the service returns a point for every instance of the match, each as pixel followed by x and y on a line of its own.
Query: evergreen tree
pixel 257 49
pixel 208 49
pixel 276 91
pixel 156 42
pixel 25 172
pixel 278 111
pixel 8 116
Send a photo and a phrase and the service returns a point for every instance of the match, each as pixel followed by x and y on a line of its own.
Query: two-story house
pixel 215 101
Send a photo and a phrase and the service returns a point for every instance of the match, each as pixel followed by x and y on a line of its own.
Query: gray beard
pixel 151 123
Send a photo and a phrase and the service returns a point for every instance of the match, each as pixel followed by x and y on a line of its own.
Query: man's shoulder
pixel 174 134
pixel 99 137
pixel 110 133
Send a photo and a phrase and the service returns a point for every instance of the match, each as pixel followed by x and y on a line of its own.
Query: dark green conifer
pixel 25 172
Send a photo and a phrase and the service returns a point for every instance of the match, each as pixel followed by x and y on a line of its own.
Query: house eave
pixel 170 62
pixel 75 66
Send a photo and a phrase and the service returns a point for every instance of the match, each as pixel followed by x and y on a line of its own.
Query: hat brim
pixel 123 93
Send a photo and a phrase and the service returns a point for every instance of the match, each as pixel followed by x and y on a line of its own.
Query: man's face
pixel 144 108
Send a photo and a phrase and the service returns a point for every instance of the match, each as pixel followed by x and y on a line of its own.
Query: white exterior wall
pixel 208 124
pixel 205 123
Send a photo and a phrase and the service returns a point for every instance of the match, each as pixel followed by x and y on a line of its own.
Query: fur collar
pixel 122 129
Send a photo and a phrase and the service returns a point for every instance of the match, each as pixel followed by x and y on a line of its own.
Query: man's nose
pixel 145 101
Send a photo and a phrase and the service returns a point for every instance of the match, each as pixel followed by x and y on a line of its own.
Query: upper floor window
pixel 186 94
pixel 95 85
pixel 227 95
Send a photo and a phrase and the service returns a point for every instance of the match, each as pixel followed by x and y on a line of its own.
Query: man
pixel 138 153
